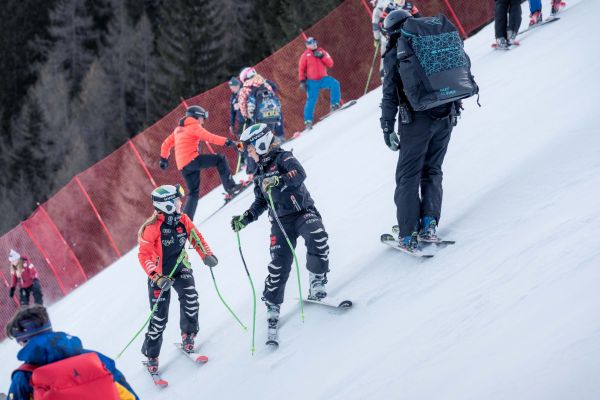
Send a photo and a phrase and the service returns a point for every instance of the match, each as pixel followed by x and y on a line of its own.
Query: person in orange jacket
pixel 186 139
pixel 312 73
pixel 164 259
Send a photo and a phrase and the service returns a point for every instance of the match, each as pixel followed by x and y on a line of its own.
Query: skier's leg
pixel 191 175
pixel 24 296
pixel 514 20
pixel 219 161
pixel 312 94
pixel 535 5
pixel 414 138
pixel 38 297
pixel 188 301
pixel 281 263
pixel 500 18
pixel 431 178
pixel 310 227
pixel 334 89
pixel 158 322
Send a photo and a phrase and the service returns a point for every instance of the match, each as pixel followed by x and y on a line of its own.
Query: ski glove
pixel 391 140
pixel 12 292
pixel 211 261
pixel 269 183
pixel 164 163
pixel 231 143
pixel 163 282
pixel 303 84
pixel 318 53
pixel 239 222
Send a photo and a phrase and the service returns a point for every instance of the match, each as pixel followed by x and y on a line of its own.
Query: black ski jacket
pixel 291 195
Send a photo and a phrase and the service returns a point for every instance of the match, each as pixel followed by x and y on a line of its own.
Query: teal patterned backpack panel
pixel 437 53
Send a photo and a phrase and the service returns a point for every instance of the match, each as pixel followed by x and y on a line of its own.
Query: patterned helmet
pixel 259 136
pixel 247 73
pixel 163 198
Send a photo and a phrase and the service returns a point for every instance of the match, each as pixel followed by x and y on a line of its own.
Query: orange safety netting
pixel 94 219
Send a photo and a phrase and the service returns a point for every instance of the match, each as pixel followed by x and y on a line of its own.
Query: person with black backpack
pixel 426 93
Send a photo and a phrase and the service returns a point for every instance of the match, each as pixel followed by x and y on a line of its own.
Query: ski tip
pixel 161 383
pixel 202 359
pixel 272 343
pixel 386 237
pixel 345 304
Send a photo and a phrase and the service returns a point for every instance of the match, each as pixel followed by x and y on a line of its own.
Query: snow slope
pixel 509 312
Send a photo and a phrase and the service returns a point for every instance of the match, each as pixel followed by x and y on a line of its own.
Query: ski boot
pixel 187 342
pixel 535 18
pixel 410 243
pixel 308 125
pixel 233 191
pixel 152 365
pixel 428 230
pixel 502 43
pixel 273 321
pixel 316 289
pixel 334 107
pixel 512 38
pixel 556 6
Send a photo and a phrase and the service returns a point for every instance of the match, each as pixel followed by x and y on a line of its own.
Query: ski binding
pixel 194 355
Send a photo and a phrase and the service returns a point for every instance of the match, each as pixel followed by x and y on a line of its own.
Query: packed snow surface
pixel 509 312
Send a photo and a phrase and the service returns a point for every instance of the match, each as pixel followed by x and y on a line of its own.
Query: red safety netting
pixel 94 219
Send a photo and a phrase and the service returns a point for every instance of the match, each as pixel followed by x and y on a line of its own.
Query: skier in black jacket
pixel 281 173
pixel 422 142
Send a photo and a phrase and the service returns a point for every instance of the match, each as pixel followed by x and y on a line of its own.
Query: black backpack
pixel 432 63
pixel 267 106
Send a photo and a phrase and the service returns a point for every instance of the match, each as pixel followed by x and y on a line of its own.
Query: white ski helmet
pixel 247 73
pixel 163 198
pixel 259 136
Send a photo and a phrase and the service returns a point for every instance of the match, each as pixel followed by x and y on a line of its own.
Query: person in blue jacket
pixel 45 349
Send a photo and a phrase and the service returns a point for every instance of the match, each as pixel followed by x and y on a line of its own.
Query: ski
pixel 330 302
pixel 391 241
pixel 343 107
pixel 511 46
pixel 273 334
pixel 546 21
pixel 194 355
pixel 434 241
pixel 158 380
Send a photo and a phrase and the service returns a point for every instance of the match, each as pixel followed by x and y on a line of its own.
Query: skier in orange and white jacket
pixel 163 257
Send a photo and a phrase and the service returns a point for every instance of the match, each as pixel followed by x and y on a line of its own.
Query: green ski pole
pixel 197 239
pixel 179 260
pixel 372 66
pixel 272 206
pixel 237 169
pixel 253 290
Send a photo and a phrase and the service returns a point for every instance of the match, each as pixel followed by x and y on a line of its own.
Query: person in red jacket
pixel 187 139
pixel 312 73
pixel 24 274
pixel 164 259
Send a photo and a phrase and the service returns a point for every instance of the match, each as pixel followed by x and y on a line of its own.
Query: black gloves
pixel 391 140
pixel 303 84
pixel 164 163
pixel 12 292
pixel 163 282
pixel 239 222
pixel 318 53
pixel 211 261
pixel 231 143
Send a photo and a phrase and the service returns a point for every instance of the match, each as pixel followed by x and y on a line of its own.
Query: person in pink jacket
pixel 312 73
pixel 24 274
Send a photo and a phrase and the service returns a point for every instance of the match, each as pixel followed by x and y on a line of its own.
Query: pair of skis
pixel 424 243
pixel 273 328
pixel 195 356
pixel 528 29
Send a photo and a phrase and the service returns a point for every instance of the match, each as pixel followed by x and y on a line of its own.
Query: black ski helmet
pixel 196 112
pixel 392 24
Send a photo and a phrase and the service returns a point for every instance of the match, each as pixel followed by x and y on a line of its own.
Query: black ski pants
pixel 423 145
pixel 507 11
pixel 191 174
pixel 35 289
pixel 308 224
pixel 188 310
